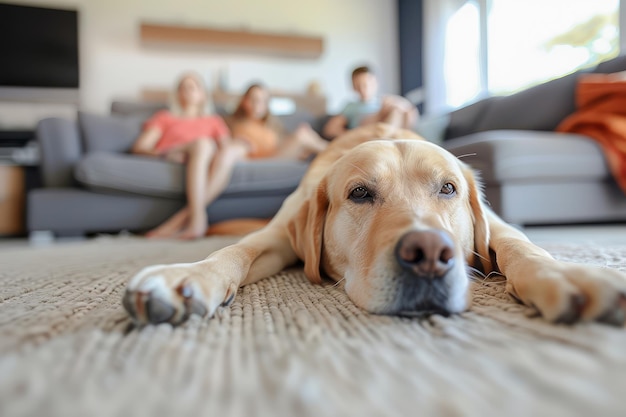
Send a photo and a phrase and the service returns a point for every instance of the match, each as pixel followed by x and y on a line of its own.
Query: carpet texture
pixel 286 347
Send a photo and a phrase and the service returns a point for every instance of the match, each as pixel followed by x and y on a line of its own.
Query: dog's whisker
pixel 338 282
pixel 479 276
pixel 479 255
pixel 466 155
pixel 495 273
pixel 476 273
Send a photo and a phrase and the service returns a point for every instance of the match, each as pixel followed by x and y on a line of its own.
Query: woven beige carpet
pixel 285 347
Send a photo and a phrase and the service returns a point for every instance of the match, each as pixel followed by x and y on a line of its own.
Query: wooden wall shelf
pixel 232 40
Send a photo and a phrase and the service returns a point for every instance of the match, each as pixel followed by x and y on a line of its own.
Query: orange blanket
pixel 601 115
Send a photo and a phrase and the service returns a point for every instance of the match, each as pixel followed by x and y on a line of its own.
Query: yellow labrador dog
pixel 400 220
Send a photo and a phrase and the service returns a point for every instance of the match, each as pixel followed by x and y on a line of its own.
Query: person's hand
pixel 176 156
pixel 397 103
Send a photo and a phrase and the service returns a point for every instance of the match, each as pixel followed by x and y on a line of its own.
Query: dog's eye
pixel 360 194
pixel 447 189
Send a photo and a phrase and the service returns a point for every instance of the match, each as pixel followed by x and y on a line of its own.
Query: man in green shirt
pixel 371 108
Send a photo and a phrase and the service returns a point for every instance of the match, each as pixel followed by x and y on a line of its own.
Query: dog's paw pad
pixel 191 300
pixel 577 303
pixel 171 294
pixel 616 315
pixel 159 310
pixel 148 307
pixel 127 302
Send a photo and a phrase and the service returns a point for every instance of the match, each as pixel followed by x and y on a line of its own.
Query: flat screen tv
pixel 38 48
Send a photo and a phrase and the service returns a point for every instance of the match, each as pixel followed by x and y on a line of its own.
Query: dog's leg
pixel 170 293
pixel 560 291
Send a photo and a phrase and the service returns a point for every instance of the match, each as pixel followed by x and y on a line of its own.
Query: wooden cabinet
pixel 12 200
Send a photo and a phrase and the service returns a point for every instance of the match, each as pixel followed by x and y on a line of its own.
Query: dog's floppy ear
pixel 479 217
pixel 306 230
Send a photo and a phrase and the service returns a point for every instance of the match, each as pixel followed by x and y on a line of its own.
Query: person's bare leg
pixel 171 226
pixel 201 153
pixel 220 171
pixel 198 156
pixel 176 222
pixel 310 140
pixel 302 143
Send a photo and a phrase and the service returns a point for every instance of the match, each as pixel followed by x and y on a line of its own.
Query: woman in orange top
pixel 266 138
pixel 203 143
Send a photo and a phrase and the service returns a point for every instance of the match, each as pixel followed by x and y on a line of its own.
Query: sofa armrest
pixel 60 146
pixel 530 156
pixel 433 128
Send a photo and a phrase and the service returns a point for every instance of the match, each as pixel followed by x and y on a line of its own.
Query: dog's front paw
pixel 567 293
pixel 171 293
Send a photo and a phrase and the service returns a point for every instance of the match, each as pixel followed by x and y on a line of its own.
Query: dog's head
pixel 399 220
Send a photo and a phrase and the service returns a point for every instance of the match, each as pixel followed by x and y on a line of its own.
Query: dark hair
pixel 240 112
pixel 364 69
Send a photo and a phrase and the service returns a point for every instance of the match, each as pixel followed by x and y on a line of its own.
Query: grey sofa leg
pixel 43 237
pixel 40 237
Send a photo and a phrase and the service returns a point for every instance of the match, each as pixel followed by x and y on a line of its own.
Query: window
pixel 496 47
pixel 462 56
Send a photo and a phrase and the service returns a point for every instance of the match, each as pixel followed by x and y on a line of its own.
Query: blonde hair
pixel 175 105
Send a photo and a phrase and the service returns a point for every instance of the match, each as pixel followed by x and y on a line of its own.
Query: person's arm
pixel 222 131
pixel 409 112
pixel 398 102
pixel 335 126
pixel 146 142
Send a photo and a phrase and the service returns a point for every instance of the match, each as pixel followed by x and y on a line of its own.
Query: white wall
pixel 115 65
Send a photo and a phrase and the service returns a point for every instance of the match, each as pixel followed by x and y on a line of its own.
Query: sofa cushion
pixel 614 65
pixel 538 108
pixel 541 107
pixel 109 133
pixel 159 178
pixel 530 156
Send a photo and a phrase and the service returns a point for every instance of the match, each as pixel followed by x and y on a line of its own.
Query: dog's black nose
pixel 426 253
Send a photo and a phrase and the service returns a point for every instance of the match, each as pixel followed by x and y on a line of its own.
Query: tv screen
pixel 38 47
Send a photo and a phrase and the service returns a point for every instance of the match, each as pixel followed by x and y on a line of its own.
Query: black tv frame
pixel 47 87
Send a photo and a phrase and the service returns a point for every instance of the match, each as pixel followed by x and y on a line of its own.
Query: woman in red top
pixel 200 141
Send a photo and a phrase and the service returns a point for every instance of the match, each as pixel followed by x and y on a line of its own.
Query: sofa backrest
pixel 135 108
pixel 109 133
pixel 60 149
pixel 541 107
pixel 290 122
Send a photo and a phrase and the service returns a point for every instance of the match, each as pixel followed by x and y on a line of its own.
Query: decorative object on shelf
pixel 291 45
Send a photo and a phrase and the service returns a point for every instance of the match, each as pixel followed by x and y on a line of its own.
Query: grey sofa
pixel 533 175
pixel 91 184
